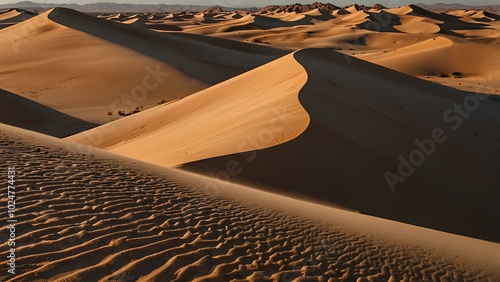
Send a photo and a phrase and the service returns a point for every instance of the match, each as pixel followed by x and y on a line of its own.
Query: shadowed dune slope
pixel 24 113
pixel 120 219
pixel 98 66
pixel 363 117
pixel 14 16
pixel 188 50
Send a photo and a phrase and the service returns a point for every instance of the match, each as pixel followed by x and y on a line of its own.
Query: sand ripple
pixel 82 218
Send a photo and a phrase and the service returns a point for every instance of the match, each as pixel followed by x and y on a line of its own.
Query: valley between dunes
pixel 295 143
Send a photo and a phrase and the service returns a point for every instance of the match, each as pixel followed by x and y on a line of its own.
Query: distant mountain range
pixel 162 8
pixel 440 8
pixel 112 7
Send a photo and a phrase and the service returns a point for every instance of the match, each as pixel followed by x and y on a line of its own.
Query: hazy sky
pixel 260 3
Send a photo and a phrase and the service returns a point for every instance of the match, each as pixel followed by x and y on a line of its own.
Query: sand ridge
pixel 14 16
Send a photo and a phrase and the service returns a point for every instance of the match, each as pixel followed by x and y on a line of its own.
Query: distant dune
pixel 14 16
pixel 163 8
pixel 444 8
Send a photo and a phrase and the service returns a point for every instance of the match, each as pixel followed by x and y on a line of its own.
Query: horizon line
pixel 242 7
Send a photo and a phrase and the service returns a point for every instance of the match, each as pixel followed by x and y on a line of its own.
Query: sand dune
pixel 146 67
pixel 14 16
pixel 359 31
pixel 337 144
pixel 343 112
pixel 418 25
pixel 231 111
pixel 320 28
pixel 125 220
pixel 359 133
pixel 442 55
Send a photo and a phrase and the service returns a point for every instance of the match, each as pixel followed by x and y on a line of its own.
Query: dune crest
pixel 249 112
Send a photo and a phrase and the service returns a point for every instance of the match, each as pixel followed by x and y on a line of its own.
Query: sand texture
pixel 93 217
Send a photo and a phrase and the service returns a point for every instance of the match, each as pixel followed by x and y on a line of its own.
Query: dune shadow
pixel 491 15
pixel 451 22
pixel 237 16
pixel 265 23
pixel 5 25
pixel 325 16
pixel 381 22
pixel 18 111
pixel 164 27
pixel 343 12
pixel 355 137
pixel 211 70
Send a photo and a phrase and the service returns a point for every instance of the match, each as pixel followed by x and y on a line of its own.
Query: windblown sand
pixel 94 217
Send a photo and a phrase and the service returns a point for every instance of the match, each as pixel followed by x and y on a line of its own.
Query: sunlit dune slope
pixel 213 122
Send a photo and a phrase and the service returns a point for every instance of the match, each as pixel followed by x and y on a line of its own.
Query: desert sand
pixel 294 143
pixel 100 217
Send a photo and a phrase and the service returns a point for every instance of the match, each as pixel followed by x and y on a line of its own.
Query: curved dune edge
pixel 9 15
pixel 364 118
pixel 352 126
pixel 256 110
pixel 109 218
